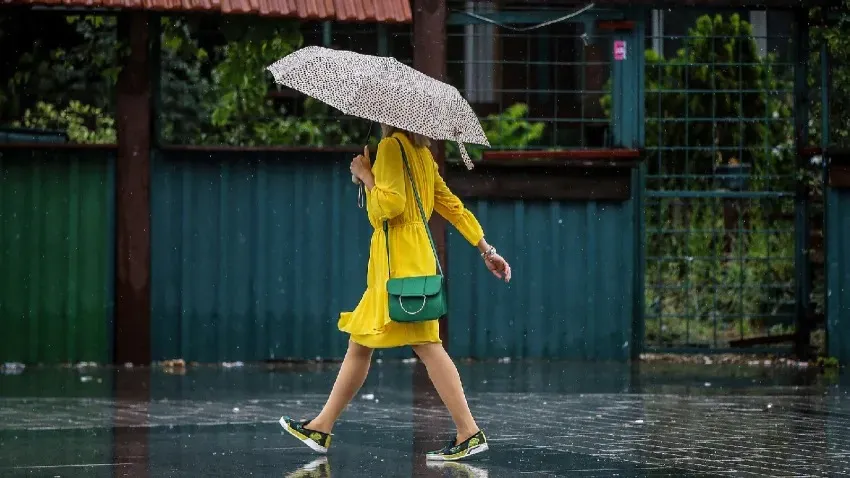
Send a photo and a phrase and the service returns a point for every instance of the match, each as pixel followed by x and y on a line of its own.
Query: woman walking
pixel 404 178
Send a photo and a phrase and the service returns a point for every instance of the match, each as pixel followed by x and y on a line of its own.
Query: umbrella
pixel 384 90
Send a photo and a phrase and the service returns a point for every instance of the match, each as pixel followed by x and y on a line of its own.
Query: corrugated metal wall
pixel 838 273
pixel 56 254
pixel 571 293
pixel 254 255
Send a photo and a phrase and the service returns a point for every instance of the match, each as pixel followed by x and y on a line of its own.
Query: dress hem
pixel 394 346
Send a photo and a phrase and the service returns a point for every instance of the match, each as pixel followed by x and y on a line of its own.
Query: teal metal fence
pixel 56 254
pixel 572 294
pixel 254 255
pixel 838 273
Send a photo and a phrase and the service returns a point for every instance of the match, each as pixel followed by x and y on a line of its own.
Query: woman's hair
pixel 417 139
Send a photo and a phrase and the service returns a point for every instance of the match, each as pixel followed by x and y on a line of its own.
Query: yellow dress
pixel 410 252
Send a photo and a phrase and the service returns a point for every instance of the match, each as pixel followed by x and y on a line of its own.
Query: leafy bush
pixel 509 130
pixel 214 87
pixel 82 123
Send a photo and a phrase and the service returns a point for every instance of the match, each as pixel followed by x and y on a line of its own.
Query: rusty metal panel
pixel 254 255
pixel 56 254
pixel 572 293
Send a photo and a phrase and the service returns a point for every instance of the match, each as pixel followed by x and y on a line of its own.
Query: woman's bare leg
pixel 446 380
pixel 352 374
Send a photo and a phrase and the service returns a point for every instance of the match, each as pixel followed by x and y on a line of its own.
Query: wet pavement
pixel 542 419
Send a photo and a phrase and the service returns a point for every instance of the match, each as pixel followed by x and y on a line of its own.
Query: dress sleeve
pixel 388 196
pixel 450 207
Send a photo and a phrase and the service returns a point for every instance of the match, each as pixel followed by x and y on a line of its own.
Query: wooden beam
pixel 133 125
pixel 429 57
pixel 538 181
pixel 568 154
pixel 768 340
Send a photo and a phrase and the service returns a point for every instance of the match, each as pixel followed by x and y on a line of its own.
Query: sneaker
pixel 472 446
pixel 316 440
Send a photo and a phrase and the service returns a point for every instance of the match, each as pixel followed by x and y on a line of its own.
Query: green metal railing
pixel 721 189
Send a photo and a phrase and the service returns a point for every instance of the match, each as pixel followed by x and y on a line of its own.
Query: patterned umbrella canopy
pixel 384 90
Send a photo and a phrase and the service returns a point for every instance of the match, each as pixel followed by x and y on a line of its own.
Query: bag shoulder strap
pixel 421 212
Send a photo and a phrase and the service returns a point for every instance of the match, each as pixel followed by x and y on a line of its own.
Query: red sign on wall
pixel 619 50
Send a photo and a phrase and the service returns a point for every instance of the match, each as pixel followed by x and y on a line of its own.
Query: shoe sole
pixel 303 439
pixel 471 452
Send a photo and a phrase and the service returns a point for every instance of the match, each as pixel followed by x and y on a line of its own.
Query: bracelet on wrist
pixel 490 252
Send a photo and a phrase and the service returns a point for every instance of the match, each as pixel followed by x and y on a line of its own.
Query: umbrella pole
pixel 360 185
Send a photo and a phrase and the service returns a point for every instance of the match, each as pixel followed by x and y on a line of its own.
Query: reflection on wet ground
pixel 542 419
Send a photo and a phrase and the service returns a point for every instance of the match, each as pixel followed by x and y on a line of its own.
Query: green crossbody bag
pixel 416 299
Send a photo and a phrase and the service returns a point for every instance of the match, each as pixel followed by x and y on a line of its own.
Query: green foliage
pixel 827 362
pixel 231 105
pixel 185 85
pixel 83 123
pixel 214 88
pixel 240 81
pixel 65 81
pixel 836 38
pixel 509 130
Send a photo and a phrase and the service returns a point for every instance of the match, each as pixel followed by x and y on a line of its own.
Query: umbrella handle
pixel 465 156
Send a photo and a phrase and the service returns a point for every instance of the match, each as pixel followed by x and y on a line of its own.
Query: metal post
pixel 327 34
pixel 638 195
pixel 132 257
pixel 383 43
pixel 802 269
pixel 156 79
pixel 429 57
pixel 627 78
pixel 132 206
pixel 825 90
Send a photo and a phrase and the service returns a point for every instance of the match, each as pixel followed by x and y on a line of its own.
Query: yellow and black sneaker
pixel 316 440
pixel 452 452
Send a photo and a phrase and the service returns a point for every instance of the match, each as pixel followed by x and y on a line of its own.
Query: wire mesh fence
pixel 534 85
pixel 722 180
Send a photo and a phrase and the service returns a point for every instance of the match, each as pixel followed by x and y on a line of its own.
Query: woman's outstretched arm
pixel 451 207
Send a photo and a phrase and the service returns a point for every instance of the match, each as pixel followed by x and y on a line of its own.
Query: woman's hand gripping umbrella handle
pixel 361 170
